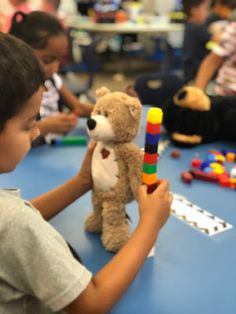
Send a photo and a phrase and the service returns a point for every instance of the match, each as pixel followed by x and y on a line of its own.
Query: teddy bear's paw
pixel 93 223
pixel 114 238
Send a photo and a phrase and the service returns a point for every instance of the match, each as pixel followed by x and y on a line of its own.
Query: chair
pixel 87 63
pixel 156 88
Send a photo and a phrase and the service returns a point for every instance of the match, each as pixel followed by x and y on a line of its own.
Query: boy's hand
pixel 84 175
pixel 155 208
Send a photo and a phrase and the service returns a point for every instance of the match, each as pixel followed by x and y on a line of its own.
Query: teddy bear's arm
pixel 133 158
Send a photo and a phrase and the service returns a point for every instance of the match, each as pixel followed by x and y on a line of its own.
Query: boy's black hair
pixel 35 28
pixel 20 76
pixel 189 4
pixel 228 3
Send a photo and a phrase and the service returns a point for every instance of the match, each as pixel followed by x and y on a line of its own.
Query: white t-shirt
pixel 38 274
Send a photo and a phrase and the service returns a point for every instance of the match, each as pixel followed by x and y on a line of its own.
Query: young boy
pixel 221 59
pixel 196 36
pixel 38 273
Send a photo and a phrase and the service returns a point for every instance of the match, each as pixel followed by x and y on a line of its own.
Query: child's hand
pixel 155 208
pixel 60 123
pixel 83 110
pixel 84 175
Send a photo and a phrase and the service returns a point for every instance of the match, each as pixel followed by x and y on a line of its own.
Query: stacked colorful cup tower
pixel 153 128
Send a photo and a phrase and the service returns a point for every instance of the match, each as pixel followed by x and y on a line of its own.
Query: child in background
pixel 46 36
pixel 221 59
pixel 38 273
pixel 196 36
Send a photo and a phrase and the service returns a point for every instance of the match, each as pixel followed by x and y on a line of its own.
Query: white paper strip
pixel 196 217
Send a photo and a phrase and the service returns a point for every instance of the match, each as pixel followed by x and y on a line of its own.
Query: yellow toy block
pixel 154 115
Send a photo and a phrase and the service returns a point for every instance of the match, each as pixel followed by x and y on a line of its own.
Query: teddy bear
pixel 116 165
pixel 192 117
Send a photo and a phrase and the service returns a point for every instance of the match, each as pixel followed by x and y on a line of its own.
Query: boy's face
pixel 50 56
pixel 200 12
pixel 18 134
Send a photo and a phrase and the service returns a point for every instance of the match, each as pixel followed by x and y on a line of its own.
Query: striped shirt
pixel 51 96
pixel 50 102
pixel 226 78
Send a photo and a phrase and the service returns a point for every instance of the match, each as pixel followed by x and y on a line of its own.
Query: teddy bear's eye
pixel 106 114
pixel 99 112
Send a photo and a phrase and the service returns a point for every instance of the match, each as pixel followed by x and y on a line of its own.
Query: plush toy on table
pixel 192 118
pixel 116 165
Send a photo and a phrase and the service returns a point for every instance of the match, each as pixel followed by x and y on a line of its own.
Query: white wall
pixel 4 6
pixel 158 6
pixel 165 6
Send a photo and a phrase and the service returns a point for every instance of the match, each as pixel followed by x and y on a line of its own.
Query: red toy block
pixel 151 188
pixel 187 177
pixel 196 163
pixel 224 182
pixel 153 128
pixel 204 176
pixel 175 153
pixel 150 158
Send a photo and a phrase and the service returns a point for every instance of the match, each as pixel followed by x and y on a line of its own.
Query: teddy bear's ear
pixel 102 92
pixel 134 107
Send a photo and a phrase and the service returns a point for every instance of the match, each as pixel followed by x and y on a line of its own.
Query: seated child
pixel 221 59
pixel 46 35
pixel 196 36
pixel 38 273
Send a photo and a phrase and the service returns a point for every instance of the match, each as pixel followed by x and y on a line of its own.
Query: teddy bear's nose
pixel 91 123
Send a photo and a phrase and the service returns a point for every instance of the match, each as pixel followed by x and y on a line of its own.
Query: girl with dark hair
pixel 45 34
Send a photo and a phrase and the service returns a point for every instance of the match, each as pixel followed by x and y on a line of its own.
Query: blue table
pixel 191 273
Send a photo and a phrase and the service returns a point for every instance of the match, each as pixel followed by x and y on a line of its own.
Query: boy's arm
pixel 207 69
pixel 83 110
pixel 54 201
pixel 113 279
